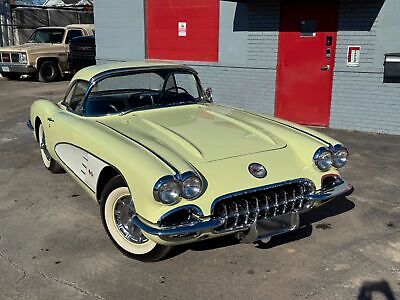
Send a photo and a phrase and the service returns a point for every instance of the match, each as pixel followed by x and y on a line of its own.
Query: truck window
pixel 73 33
pixel 47 35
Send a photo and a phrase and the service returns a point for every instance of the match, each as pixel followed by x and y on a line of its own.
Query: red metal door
pixel 183 29
pixel 307 46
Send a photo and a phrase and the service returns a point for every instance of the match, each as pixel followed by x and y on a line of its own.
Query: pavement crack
pixel 25 275
pixel 69 284
pixel 15 266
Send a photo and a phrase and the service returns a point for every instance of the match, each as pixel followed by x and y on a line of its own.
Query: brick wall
pixel 246 73
pixel 360 99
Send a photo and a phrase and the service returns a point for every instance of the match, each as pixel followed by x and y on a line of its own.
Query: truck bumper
pixel 16 68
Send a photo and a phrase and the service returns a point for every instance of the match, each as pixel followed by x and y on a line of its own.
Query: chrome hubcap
pixel 124 211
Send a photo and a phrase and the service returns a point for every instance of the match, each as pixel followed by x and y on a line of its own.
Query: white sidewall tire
pixel 109 206
pixel 46 161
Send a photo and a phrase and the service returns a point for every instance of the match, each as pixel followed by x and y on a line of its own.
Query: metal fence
pixel 6 29
pixel 18 22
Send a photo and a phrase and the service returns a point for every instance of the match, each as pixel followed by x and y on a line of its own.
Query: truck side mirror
pixel 209 95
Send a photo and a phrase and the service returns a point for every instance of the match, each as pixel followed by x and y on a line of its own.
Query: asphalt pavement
pixel 53 246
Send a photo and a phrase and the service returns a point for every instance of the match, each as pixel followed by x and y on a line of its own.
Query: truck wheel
pixel 48 71
pixel 11 76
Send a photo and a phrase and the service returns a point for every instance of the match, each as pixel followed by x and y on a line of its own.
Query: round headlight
pixel 340 156
pixel 191 187
pixel 22 58
pixel 167 190
pixel 323 159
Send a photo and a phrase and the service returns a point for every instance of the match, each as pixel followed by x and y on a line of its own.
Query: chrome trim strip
pixel 339 188
pixel 199 227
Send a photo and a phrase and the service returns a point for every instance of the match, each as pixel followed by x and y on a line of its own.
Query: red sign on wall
pixel 183 30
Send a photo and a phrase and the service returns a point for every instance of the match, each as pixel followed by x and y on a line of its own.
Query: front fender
pixel 41 110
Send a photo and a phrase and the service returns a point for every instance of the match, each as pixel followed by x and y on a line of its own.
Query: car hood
pixel 197 133
pixel 25 47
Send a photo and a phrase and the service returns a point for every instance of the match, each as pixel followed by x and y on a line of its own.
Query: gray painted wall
pixel 360 99
pixel 246 73
pixel 119 30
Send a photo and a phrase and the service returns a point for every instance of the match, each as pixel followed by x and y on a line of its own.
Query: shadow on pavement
pixel 333 208
pixel 375 288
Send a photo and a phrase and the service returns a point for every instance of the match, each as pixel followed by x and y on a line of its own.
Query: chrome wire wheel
pixel 43 148
pixel 124 211
pixel 119 211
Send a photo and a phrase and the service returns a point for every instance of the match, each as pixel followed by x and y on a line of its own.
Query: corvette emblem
pixel 257 170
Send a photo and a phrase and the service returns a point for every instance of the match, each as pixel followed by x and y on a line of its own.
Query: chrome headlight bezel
pixel 338 160
pixel 162 183
pixel 179 183
pixel 185 180
pixel 323 158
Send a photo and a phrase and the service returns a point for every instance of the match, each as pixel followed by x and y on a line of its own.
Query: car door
pixel 70 142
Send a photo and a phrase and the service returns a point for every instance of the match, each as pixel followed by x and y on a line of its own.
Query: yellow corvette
pixel 168 166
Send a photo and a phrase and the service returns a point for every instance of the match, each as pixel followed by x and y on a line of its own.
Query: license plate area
pixel 264 229
pixel 277 224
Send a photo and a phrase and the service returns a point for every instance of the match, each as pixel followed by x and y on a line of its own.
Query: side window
pixel 187 83
pixel 73 33
pixel 75 97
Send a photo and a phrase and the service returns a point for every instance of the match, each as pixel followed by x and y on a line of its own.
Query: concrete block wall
pixel 360 99
pixel 248 88
pixel 120 32
pixel 245 76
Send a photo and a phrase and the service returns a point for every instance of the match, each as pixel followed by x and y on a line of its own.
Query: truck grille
pixel 240 210
pixel 9 57
pixel 83 52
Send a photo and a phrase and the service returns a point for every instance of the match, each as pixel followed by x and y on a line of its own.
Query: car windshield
pixel 146 90
pixel 47 35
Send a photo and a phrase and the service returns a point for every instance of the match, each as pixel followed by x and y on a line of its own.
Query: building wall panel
pixel 360 99
pixel 199 39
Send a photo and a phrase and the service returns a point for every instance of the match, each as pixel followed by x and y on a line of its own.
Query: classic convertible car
pixel 168 166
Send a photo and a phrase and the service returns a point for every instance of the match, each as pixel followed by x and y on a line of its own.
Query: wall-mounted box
pixel 391 67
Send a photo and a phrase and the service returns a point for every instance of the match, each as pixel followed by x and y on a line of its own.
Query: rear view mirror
pixel 209 94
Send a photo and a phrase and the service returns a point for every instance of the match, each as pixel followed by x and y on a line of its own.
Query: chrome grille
pixel 15 57
pixel 240 210
pixel 5 57
pixel 9 57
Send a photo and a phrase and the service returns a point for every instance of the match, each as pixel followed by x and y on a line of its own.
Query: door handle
pixel 326 68
pixel 50 120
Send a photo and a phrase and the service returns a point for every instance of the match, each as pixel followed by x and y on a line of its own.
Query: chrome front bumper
pixel 205 227
pixel 16 68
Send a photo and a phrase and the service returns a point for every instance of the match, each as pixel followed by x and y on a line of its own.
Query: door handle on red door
pixel 326 68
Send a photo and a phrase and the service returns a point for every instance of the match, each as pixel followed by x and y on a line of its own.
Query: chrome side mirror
pixel 209 94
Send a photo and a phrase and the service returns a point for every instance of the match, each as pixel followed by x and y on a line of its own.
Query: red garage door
pixel 307 46
pixel 183 29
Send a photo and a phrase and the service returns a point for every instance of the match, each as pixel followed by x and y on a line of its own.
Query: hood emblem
pixel 257 170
